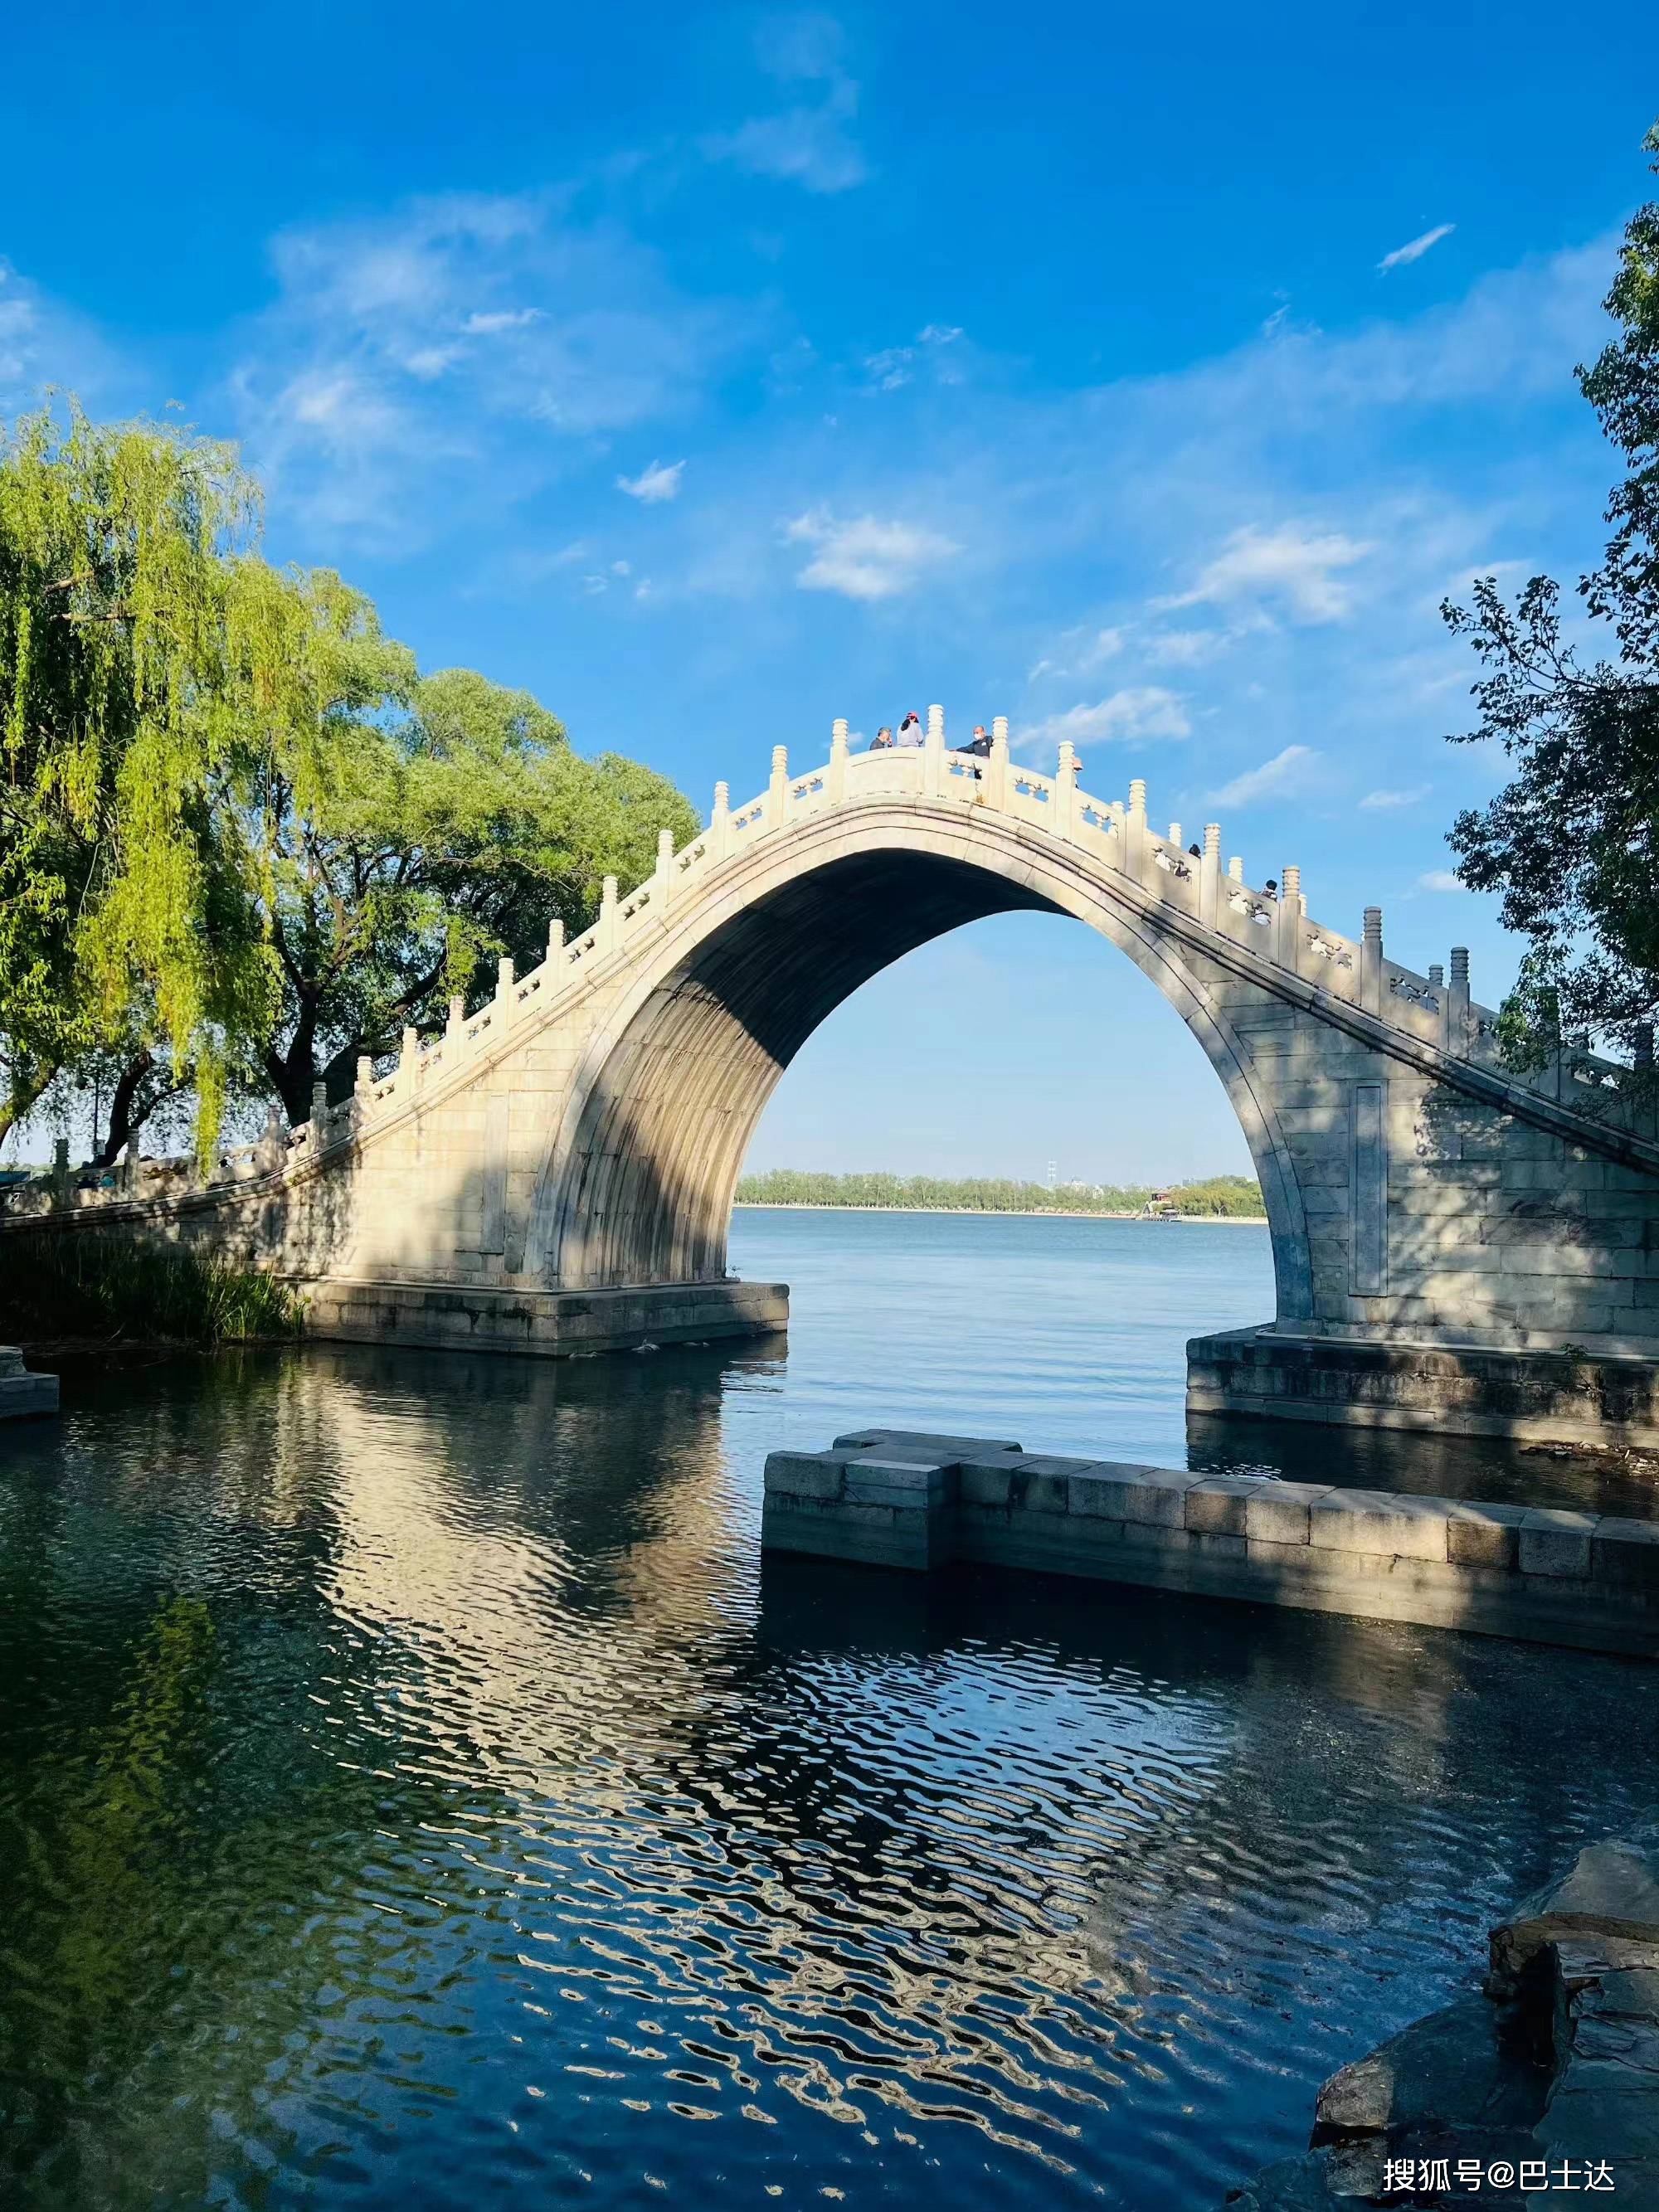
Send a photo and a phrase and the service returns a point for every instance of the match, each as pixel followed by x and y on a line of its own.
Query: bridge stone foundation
pixel 1453 1246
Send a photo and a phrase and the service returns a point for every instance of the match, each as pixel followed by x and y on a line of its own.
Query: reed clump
pixel 54 1287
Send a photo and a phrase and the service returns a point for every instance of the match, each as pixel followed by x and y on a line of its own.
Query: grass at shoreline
pixel 89 1291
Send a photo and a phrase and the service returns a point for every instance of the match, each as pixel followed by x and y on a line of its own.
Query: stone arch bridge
pixel 554 1172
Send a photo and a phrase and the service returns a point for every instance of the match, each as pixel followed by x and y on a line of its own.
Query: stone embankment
pixel 897 1498
pixel 1545 2085
pixel 20 1392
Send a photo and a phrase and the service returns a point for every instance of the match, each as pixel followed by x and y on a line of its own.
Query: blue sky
pixel 712 372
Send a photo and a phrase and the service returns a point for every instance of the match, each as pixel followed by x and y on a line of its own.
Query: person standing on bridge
pixel 883 740
pixel 981 744
pixel 910 730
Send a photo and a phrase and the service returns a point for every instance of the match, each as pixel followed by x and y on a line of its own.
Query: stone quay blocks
pixel 920 1502
pixel 23 1395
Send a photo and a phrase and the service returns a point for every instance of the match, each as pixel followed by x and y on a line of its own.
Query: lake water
pixel 415 1794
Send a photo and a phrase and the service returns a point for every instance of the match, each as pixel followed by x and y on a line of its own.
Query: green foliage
pixel 405 847
pixel 1571 843
pixel 131 649
pixel 1238 1197
pixel 241 839
pixel 86 1285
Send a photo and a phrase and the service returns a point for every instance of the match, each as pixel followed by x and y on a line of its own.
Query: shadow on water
pixel 413 1793
pixel 1490 1469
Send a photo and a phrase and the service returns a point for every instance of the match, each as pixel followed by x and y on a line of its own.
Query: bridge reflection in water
pixel 412 1790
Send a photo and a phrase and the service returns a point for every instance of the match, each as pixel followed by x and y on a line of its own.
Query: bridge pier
pixel 1529 1395
pixel 547 1324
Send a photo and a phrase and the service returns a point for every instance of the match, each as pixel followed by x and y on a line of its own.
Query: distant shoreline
pixel 1000 1212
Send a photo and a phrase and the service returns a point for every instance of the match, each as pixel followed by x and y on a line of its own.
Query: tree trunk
pixel 127 1115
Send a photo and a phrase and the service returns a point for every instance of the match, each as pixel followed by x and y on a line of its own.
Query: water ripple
pixel 413 1794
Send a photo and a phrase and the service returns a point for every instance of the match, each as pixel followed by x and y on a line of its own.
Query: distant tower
pixel 1054 1173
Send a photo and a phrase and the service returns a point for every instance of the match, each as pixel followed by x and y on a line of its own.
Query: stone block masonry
pixel 546 1324
pixel 1532 1395
pixel 899 1499
pixel 23 1395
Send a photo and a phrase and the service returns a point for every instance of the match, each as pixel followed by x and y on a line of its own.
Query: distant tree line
pixel 1231 1197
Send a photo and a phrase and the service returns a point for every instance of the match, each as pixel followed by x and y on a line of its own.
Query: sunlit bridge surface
pixel 414 1794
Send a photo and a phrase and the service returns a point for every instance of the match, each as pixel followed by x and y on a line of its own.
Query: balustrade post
pixel 834 783
pixel 932 754
pixel 1436 975
pixel 1235 870
pixel 1209 876
pixel 1643 1117
pixel 720 822
pixel 1175 836
pixel 663 888
pixel 607 922
pixel 1065 790
pixel 1371 962
pixel 777 792
pixel 457 1019
pixel 1288 952
pixel 993 776
pixel 554 945
pixel 1136 860
pixel 503 990
pixel 1455 1005
pixel 60 1171
pixel 409 1056
pixel 319 1112
pixel 273 1148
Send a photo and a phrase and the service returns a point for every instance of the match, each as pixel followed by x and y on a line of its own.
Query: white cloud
pixel 810 146
pixel 655 484
pixel 1287 772
pixel 1081 652
pixel 42 341
pixel 807 146
pixel 864 557
pixel 1186 648
pixel 501 319
pixel 1132 715
pixel 1384 802
pixel 1294 565
pixel 893 366
pixel 429 362
pixel 1439 879
pixel 1414 248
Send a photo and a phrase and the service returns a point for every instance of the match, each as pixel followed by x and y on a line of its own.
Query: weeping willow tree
pixel 241 840
pixel 137 642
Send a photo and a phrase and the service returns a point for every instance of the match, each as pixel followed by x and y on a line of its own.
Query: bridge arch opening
pixel 639 1185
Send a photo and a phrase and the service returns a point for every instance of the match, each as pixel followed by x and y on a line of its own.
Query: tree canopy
pixel 1572 841
pixel 133 641
pixel 242 839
